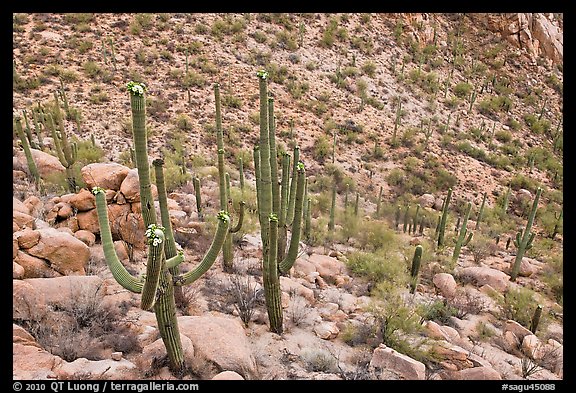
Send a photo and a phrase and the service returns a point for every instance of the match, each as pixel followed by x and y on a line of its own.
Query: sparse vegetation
pixel 397 134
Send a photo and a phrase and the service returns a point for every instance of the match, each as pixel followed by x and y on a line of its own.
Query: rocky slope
pixel 487 86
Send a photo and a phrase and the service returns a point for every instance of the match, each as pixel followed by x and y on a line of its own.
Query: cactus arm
pixel 119 272
pixel 28 131
pixel 56 138
pixel 536 319
pixel 220 147
pixel 406 217
pixel 525 240
pixel 442 226
pixel 271 280
pixel 465 243
pixel 379 201
pixel 273 158
pixel 308 223
pixel 480 212
pixel 416 262
pixel 265 199
pixel 196 183
pixel 416 218
pixel 171 254
pixel 462 236
pixel 175 261
pixel 332 209
pixel 156 259
pixel 290 258
pixel 293 184
pixel 282 235
pixel 240 219
pixel 241 173
pixel 29 159
pixel 256 156
pixel 37 130
pixel 227 254
pixel 211 254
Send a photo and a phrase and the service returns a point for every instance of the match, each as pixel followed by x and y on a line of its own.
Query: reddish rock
pixel 83 201
pixel 66 254
pixel 108 176
pixel 388 359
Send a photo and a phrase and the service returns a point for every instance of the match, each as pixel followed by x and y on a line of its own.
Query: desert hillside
pixel 429 216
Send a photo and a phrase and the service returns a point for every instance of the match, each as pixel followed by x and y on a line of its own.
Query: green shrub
pixel 518 305
pixel 462 89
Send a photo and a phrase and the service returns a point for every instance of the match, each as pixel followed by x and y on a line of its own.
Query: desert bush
pixel 319 360
pixel 246 296
pixel 462 89
pixel 518 305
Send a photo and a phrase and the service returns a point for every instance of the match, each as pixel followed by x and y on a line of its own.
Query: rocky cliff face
pixel 538 33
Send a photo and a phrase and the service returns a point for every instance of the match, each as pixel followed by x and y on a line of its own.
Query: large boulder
pixel 19 206
pixel 386 358
pixel 27 302
pixel 482 275
pixel 445 284
pixel 83 368
pixel 130 187
pixel 328 267
pixel 83 201
pixel 29 362
pixel 427 200
pixel 227 376
pixel 23 220
pixel 64 291
pixel 106 175
pixel 66 254
pixel 222 341
pixel 156 351
pixel 47 164
pixel 479 373
pixel 519 331
pixel 34 267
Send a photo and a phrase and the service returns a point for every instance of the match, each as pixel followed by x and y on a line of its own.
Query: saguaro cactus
pixel 462 240
pixel 414 272
pixel 523 241
pixel 67 152
pixel 442 224
pixel 506 200
pixel 28 153
pixel 536 319
pixel 480 212
pixel 157 286
pixel 196 183
pixel 224 187
pixel 558 223
pixel 269 217
pixel 332 209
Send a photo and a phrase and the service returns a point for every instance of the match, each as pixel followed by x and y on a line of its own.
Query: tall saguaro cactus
pixel 158 285
pixel 225 200
pixel 28 153
pixel 414 271
pixel 442 223
pixel 67 152
pixel 481 212
pixel 462 240
pixel 268 217
pixel 524 239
